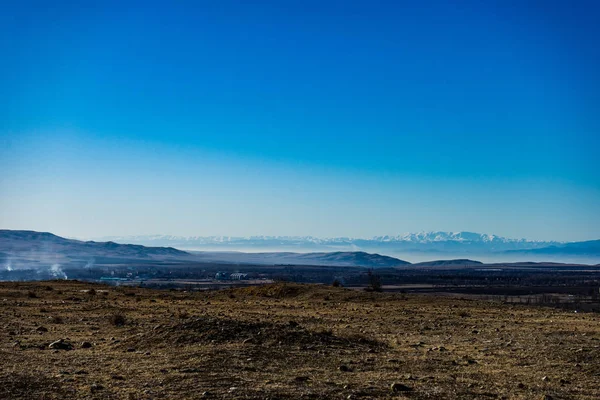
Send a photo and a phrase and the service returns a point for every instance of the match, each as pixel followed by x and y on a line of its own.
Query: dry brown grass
pixel 288 341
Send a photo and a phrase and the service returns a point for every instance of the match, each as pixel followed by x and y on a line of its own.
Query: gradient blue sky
pixel 339 118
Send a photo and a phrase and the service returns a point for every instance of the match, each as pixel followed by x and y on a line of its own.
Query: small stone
pixel 130 350
pixel 86 345
pixel 41 329
pixel 96 387
pixel 345 368
pixel 399 387
pixel 61 344
pixel 545 378
pixel 521 385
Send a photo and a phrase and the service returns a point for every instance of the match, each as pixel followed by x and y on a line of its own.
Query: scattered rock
pixel 118 378
pixel 61 344
pixel 545 378
pixel 86 345
pixel 130 350
pixel 41 329
pixel 399 387
pixel 345 368
pixel 96 387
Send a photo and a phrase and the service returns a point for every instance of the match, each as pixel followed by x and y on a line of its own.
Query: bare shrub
pixel 374 282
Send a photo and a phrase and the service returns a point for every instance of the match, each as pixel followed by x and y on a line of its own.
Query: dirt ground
pixel 285 341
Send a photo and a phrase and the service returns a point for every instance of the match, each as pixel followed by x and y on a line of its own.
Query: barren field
pixel 286 341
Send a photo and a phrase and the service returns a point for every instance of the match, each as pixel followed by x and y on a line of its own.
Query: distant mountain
pixel 587 248
pixel 333 259
pixel 423 245
pixel 443 242
pixel 454 263
pixel 43 246
pixel 352 258
pixel 33 249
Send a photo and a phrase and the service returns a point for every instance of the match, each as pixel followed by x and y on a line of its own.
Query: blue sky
pixel 342 118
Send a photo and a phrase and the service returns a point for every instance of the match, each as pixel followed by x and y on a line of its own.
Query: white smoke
pixel 8 266
pixel 89 264
pixel 57 272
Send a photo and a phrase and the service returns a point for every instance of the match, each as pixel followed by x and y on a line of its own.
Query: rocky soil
pixel 64 339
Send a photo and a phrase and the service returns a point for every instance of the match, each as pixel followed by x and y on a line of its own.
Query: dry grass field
pixel 286 341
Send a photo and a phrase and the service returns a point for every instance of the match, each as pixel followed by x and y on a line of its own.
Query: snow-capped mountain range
pixel 423 241
pixel 422 246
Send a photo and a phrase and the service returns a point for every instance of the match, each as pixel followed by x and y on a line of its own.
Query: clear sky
pixel 323 118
